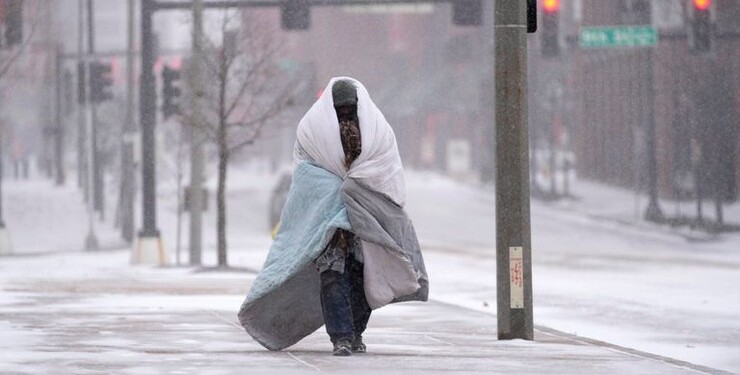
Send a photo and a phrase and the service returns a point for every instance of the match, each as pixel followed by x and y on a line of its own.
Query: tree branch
pixel 22 48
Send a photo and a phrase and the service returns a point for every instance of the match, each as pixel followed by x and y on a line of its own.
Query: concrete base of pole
pixel 148 250
pixel 91 242
pixel 6 246
pixel 653 212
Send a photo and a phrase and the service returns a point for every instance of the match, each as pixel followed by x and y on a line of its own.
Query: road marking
pixel 237 326
pixel 608 346
pixel 440 340
pixel 223 319
pixel 302 361
pixel 632 352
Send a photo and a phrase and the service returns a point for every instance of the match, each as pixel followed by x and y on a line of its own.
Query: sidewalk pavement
pixel 622 206
pixel 91 313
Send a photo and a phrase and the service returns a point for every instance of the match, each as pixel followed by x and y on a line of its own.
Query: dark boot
pixel 358 346
pixel 342 348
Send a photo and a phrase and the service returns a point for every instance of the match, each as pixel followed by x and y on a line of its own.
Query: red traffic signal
pixel 702 4
pixel 552 6
pixel 701 27
pixel 170 92
pixel 549 34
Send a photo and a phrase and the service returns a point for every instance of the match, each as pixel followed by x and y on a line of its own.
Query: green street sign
pixel 618 36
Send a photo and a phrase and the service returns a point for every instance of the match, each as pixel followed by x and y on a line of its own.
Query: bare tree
pixel 9 57
pixel 244 90
pixel 10 54
pixel 173 169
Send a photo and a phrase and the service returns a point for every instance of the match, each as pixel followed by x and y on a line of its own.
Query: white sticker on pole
pixel 516 276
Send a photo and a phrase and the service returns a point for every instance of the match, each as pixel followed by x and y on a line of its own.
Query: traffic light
pixel 170 92
pixel 549 35
pixel 295 14
pixel 700 26
pixel 467 12
pixel 68 92
pixel 13 19
pixel 531 16
pixel 100 82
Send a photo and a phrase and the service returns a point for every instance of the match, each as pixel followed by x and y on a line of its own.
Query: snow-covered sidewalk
pixel 91 313
pixel 634 284
pixel 43 218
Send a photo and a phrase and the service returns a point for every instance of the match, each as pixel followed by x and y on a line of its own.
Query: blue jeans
pixel 345 308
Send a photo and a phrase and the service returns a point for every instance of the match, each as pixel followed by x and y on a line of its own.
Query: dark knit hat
pixel 344 92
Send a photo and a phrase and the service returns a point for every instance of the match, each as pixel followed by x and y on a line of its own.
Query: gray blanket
pixel 393 268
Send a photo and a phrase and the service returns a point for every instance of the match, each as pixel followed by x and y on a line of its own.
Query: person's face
pixel 346 113
pixel 349 132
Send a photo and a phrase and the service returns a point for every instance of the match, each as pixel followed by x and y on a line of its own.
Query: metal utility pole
pixel 196 147
pixel 2 171
pixel 81 127
pixel 128 178
pixel 6 247
pixel 97 170
pixel 59 130
pixel 2 160
pixel 653 211
pixel 149 248
pixel 91 242
pixel 513 242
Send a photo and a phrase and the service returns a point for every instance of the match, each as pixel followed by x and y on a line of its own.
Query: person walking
pixel 344 245
pixel 345 308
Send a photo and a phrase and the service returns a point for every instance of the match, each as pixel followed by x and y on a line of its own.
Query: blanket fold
pixel 283 305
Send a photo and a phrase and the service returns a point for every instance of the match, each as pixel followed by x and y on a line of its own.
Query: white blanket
pixel 378 166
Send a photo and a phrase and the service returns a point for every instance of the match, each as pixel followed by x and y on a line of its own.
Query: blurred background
pixel 633 109
pixel 429 66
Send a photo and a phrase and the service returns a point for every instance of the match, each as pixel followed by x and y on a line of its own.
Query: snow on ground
pixel 636 286
pixel 142 320
pixel 44 219
pixel 598 272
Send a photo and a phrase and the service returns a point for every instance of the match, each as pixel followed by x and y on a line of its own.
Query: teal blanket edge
pixel 313 210
pixel 283 305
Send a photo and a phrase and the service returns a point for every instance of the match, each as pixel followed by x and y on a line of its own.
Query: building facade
pixel 609 96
